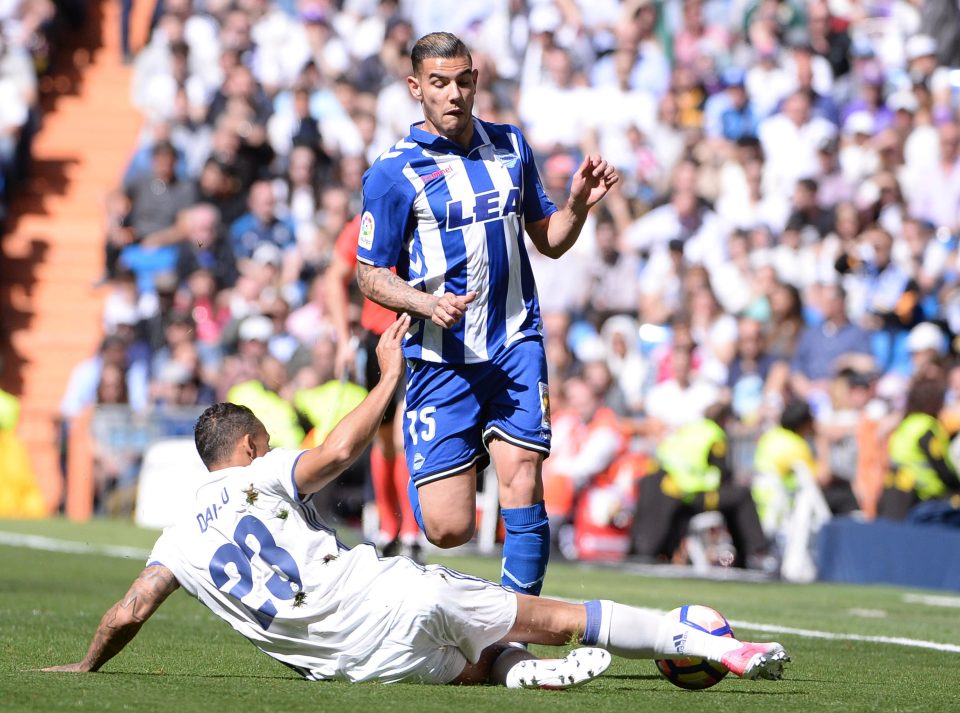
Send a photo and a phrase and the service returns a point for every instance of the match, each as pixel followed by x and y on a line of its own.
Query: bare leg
pixel 449 509
pixel 519 472
pixel 547 621
pixel 494 664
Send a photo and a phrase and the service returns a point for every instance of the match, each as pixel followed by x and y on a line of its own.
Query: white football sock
pixel 637 634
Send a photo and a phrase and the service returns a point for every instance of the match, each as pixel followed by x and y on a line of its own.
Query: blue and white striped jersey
pixel 452 220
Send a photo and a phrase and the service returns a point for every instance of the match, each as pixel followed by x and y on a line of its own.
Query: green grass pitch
pixel 187 660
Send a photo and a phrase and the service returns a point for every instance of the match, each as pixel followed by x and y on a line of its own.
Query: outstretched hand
pixel 591 182
pixel 67 668
pixel 450 308
pixel 390 347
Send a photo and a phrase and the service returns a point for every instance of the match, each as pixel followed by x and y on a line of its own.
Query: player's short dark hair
pixel 438 45
pixel 219 428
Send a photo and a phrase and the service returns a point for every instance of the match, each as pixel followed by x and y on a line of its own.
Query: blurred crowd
pixel 785 230
pixel 29 35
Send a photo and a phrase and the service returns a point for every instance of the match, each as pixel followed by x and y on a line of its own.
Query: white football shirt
pixel 261 559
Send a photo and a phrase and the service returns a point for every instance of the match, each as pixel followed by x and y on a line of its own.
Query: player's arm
pixel 557 233
pixel 124 619
pixel 387 217
pixel 320 465
pixel 383 286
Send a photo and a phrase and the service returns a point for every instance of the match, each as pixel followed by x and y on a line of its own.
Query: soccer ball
pixel 695 673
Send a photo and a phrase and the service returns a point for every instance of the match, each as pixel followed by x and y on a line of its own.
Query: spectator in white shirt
pixel 684 398
pixel 936 197
pixel 639 49
pixel 790 140
pixel 683 219
pixel 553 113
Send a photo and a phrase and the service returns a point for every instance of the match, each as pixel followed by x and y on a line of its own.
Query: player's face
pixel 446 88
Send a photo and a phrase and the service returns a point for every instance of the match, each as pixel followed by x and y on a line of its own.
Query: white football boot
pixel 574 669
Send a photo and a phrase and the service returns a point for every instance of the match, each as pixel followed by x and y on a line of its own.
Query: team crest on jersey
pixel 506 157
pixel 366 231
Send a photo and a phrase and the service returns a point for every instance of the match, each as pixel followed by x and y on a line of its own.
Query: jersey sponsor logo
pixel 366 231
pixel 506 157
pixel 438 173
pixel 486 206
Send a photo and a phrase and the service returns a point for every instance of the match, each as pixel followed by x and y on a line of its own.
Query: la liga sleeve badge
pixel 366 231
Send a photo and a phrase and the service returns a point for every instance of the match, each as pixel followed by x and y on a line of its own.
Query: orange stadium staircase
pixel 52 256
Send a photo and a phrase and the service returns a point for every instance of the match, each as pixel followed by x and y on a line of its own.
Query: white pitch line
pixel 38 542
pixel 814 634
pixel 933 600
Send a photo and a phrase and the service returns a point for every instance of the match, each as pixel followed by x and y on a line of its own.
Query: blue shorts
pixel 452 410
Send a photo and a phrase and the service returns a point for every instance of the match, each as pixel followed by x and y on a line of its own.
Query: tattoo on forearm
pixel 386 288
pixel 124 619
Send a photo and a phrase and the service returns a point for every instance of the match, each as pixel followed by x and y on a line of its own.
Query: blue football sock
pixel 526 548
pixel 591 635
pixel 415 504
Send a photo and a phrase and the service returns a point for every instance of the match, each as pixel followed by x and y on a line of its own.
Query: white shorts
pixel 447 619
pixel 439 620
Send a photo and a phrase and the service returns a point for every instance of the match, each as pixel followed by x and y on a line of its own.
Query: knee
pixel 450 533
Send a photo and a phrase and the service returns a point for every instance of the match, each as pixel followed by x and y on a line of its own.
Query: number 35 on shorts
pixel 422 425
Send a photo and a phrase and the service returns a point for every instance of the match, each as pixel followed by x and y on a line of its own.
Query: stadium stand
pixel 50 255
pixel 785 226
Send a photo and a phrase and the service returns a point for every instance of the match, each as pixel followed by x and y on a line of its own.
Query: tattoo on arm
pixel 124 619
pixel 386 288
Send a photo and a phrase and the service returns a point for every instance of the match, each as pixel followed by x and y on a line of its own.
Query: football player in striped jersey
pixel 447 208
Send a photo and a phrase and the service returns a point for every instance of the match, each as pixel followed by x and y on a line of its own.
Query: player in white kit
pixel 254 550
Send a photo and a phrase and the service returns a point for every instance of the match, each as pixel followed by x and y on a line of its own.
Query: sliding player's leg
pixel 638 634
